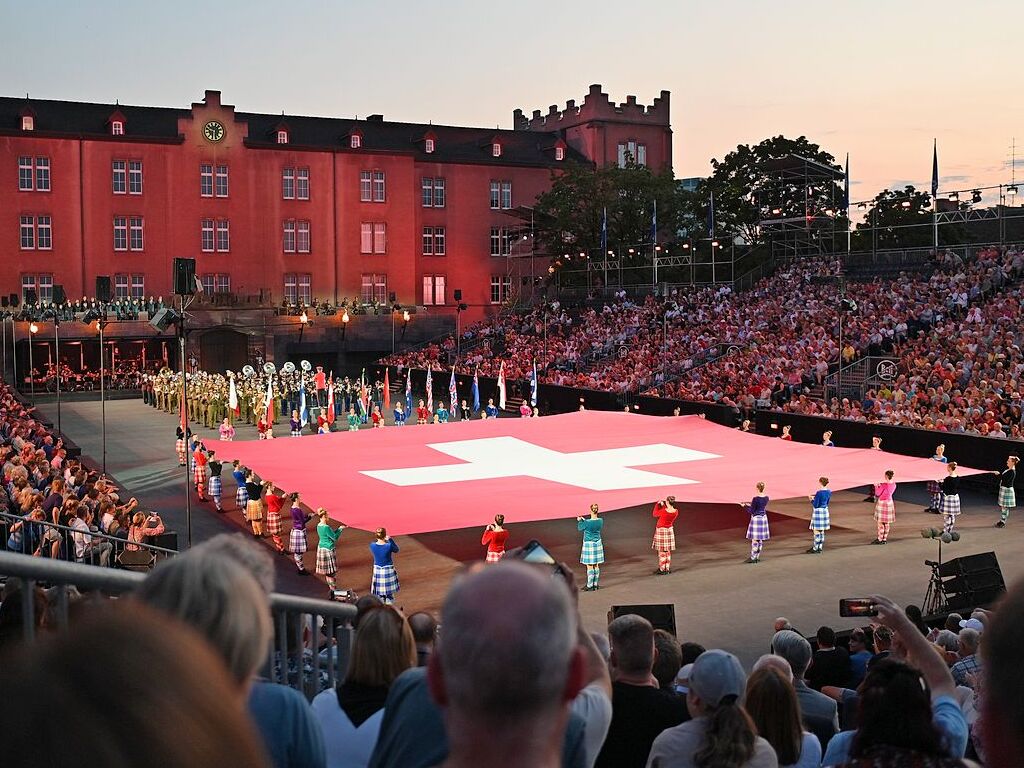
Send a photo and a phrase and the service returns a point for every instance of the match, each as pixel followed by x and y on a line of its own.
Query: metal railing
pixel 312 638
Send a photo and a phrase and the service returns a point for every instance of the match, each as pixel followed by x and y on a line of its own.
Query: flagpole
pixel 935 194
pixel 847 202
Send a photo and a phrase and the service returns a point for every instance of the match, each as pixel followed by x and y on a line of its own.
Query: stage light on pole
pixel 714 243
pixel 1011 190
pixel 33 330
pixel 905 204
pixel 344 323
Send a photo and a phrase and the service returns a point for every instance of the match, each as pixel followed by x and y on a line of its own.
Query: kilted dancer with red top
pixel 181 447
pixel 664 534
pixel 494 539
pixel 885 509
pixel 274 503
pixel 199 474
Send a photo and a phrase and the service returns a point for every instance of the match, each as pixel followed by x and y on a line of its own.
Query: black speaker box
pixel 661 615
pixel 458 294
pixel 5 300
pixel 984 561
pixel 13 299
pixel 30 295
pixel 164 318
pixel 58 294
pixel 103 289
pixel 184 277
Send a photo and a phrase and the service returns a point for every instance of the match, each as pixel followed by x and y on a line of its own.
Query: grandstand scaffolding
pixel 799 200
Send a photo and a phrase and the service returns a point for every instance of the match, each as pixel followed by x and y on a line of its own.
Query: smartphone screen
pixel 853 607
pixel 534 552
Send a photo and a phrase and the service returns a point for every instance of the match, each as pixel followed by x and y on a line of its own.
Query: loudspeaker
pixel 58 294
pixel 103 289
pixel 661 615
pixel 30 295
pixel 14 299
pixel 167 540
pixel 972 581
pixel 164 318
pixel 984 561
pixel 392 297
pixel 458 294
pixel 184 277
pixel 5 300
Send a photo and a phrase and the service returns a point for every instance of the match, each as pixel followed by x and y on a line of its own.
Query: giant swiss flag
pixel 442 476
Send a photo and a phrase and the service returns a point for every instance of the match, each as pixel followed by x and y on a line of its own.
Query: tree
pixel 744 191
pixel 896 218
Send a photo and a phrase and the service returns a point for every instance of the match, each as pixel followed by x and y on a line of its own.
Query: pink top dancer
pixel 227 432
pixel 885 510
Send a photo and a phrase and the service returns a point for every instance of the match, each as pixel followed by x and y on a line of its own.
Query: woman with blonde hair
pixel 143 526
pixel 350 715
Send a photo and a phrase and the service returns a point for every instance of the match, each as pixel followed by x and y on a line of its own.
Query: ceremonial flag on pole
pixel 476 392
pixel 183 409
pixel 430 388
pixel 935 168
pixel 387 391
pixel 362 392
pixel 270 402
pixel 711 215
pixel 453 392
pixel 408 391
pixel 233 397
pixel 303 411
pixel 330 400
pixel 533 386
pixel 604 233
pixel 501 386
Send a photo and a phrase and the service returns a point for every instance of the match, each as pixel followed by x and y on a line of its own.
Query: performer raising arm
pixel 1007 499
pixel 592 554
pixel 326 559
pixel 494 539
pixel 664 533
pixel 885 510
pixel 757 528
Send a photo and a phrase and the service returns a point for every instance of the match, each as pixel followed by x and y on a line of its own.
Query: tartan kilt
pixel 215 486
pixel 326 561
pixel 592 553
pixel 274 522
pixel 199 474
pixel 933 488
pixel 297 541
pixel 757 528
pixel 664 539
pixel 254 510
pixel 1007 497
pixel 385 581
pixel 241 497
pixel 950 506
pixel 821 519
pixel 179 448
pixel 885 511
pixel 495 557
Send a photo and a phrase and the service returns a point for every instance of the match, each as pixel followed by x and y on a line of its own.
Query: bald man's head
pixel 509 652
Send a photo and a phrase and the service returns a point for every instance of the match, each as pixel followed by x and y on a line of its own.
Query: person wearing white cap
pixel 721 733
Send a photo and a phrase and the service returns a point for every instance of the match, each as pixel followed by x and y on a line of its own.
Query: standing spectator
pixel 830 665
pixel 721 733
pixel 819 712
pixel 772 705
pixel 640 710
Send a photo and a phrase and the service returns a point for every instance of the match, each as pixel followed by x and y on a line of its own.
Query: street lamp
pixel 344 323
pixel 458 326
pixel 33 330
pixel 101 323
pixel 303 322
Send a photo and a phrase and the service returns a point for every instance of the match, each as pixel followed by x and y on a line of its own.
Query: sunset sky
pixel 876 79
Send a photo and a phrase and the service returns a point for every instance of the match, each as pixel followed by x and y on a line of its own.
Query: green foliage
pixel 900 218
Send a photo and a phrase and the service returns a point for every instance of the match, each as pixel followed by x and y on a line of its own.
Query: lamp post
pixel 303 322
pixel 344 323
pixel 33 330
pixel 56 346
pixel 394 309
pixel 458 329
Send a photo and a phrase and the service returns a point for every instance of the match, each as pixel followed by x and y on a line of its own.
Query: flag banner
pixel 408 391
pixel 303 411
pixel 476 391
pixel 269 417
pixel 430 388
pixel 935 168
pixel 233 397
pixel 453 393
pixel 846 191
pixel 604 234
pixel 711 215
pixel 501 386
pixel 387 391
pixel 533 386
pixel 654 222
pixel 330 401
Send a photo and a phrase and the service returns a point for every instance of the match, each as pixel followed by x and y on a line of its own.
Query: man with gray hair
pixel 506 678
pixel 819 713
pixel 969 664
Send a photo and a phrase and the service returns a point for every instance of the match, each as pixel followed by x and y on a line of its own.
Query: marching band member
pixel 494 539
pixel 820 518
pixel 664 533
pixel 757 528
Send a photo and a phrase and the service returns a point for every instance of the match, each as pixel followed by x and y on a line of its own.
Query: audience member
pixel 772 705
pixel 819 712
pixel 424 632
pixel 830 665
pixel 668 659
pixel 969 665
pixel 1003 680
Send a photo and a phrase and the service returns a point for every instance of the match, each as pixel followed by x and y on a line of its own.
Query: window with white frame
pixel 433 290
pixel 641 154
pixel 501 241
pixel 134 177
pixel 207 282
pixel 380 237
pixel 221 181
pixel 33 174
pixel 206 180
pixel 373 237
pixel 138 286
pixel 428 146
pixel 120 233
pixel 28 233
pixel 302 184
pixel 621 157
pixel 117 128
pixel 366 237
pixel 216 282
pixel 215 235
pixel 207 236
pixel 298 288
pixel 375 288
pixel 119 176
pixel 501 195
pixel 288 184
pixel 378 186
pixel 41 284
pixel 355 141
pixel 121 286
pixel 223 235
pixel 136 240
pixel 288 240
pixel 501 288
pixel 559 153
pixel 365 187
pixel 302 236
pixel 28 123
pixel 433 241
pixel 432 189
pixel 44 233
pixel 495 149
pixel 282 137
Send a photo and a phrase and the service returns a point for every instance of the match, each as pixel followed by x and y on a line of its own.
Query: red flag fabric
pixel 387 391
pixel 330 401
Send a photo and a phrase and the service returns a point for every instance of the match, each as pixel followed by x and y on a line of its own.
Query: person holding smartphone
pixel 592 554
pixel 494 539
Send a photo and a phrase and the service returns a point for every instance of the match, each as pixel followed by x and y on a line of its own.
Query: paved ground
pixel 718 599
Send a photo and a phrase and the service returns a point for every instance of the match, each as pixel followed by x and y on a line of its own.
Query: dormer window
pixel 355 141
pixel 117 128
pixel 282 137
pixel 559 153
pixel 428 146
pixel 495 149
pixel 28 123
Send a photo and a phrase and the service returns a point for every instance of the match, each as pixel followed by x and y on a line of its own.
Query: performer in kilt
pixel 352 419
pixel 385 578
pixel 273 503
pixel 295 424
pixel 933 487
pixel 757 528
pixel 820 518
pixel 326 559
pixel 1007 499
pixel 227 432
pixel 297 541
pixel 664 533
pixel 238 472
pixel 950 506
pixel 215 483
pixel 885 509
pixel 422 413
pixel 253 504
pixel 181 445
pixel 592 554
pixel 494 539
pixel 199 473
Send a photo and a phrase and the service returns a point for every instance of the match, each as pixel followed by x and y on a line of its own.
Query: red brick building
pixel 288 206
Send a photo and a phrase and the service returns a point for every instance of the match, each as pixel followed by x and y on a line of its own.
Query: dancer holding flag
pixel 386 405
pixel 408 391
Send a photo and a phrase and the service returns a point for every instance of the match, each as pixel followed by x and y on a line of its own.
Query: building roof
pixel 452 143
